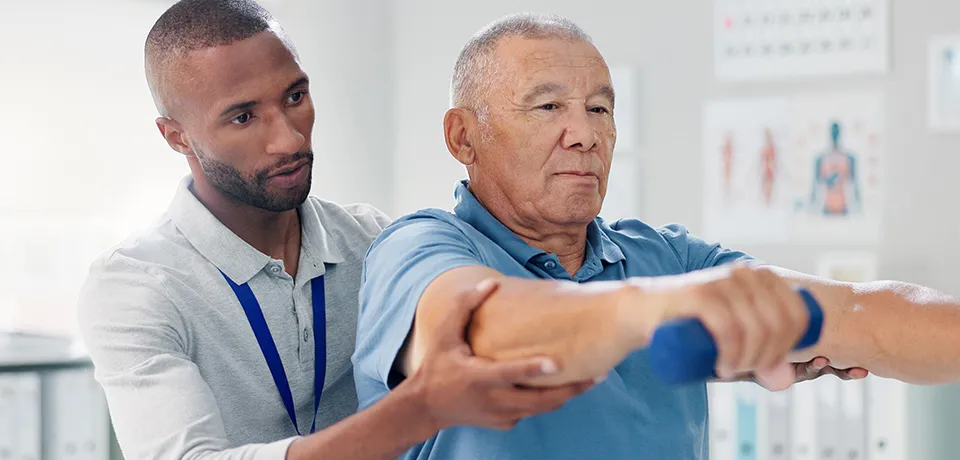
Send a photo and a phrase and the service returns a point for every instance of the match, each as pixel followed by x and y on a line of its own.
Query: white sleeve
pixel 160 405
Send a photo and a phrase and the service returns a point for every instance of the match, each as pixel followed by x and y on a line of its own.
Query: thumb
pixel 777 378
pixel 451 329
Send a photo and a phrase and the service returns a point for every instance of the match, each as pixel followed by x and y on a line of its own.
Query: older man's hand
pixel 754 316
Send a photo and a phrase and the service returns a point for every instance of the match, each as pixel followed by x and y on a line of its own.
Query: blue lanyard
pixel 269 349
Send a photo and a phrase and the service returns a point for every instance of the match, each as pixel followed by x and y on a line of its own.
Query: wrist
pixel 639 309
pixel 411 397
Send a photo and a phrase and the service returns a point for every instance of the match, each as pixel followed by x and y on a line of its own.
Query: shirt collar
pixel 235 257
pixel 474 213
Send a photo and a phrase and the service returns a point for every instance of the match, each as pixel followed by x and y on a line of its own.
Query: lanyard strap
pixel 269 349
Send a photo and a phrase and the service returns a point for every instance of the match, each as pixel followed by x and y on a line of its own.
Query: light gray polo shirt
pixel 177 358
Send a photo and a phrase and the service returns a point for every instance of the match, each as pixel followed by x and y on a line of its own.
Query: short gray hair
pixel 475 66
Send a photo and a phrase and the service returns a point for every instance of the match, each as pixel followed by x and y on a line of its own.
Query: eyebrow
pixel 541 89
pixel 606 90
pixel 246 105
pixel 548 88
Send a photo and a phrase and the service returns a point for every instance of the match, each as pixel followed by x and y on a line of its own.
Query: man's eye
pixel 296 97
pixel 242 119
pixel 549 107
pixel 599 110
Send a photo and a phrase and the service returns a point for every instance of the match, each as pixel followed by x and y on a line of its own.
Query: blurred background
pixel 724 108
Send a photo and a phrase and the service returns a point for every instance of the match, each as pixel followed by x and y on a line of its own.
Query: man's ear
pixel 174 135
pixel 460 131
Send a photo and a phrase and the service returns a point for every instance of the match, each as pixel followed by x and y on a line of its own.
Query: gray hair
pixel 475 67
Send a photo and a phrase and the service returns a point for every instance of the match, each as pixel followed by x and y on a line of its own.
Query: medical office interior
pixel 820 135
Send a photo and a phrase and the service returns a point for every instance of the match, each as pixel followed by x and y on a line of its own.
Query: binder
pixel 886 414
pixel 827 418
pixel 746 420
pixel 20 435
pixel 723 420
pixel 775 426
pixel 803 435
pixel 853 433
pixel 75 419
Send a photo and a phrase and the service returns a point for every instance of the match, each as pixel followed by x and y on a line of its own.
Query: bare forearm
pixel 383 431
pixel 898 330
pixel 581 327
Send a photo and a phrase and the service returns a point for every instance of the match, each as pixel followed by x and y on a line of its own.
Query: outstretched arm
pixel 893 329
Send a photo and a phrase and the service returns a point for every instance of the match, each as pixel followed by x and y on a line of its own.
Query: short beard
pixel 253 192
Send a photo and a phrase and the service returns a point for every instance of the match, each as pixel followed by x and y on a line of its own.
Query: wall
pixel 83 163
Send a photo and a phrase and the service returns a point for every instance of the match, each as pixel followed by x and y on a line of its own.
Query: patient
pixel 533 122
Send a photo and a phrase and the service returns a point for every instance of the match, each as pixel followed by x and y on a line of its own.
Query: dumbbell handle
pixel 683 351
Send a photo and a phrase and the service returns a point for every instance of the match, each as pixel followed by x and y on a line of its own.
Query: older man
pixel 533 124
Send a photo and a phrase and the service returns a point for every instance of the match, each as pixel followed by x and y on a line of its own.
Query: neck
pixel 568 241
pixel 276 234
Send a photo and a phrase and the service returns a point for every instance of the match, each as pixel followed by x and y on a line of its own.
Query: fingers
pixel 524 402
pixel 777 378
pixel 755 317
pixel 783 313
pixel 854 373
pixel 723 325
pixel 811 369
pixel 452 327
pixel 760 315
pixel 820 366
pixel 516 372
pixel 792 306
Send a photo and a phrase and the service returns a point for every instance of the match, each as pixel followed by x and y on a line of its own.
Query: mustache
pixel 262 175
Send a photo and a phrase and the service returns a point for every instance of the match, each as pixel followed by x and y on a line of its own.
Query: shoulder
pixel 354 216
pixel 434 226
pixel 128 284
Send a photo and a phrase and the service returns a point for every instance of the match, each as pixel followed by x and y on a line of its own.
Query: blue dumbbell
pixel 683 351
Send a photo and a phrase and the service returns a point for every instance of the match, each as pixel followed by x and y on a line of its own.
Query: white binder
pixel 723 421
pixel 886 410
pixel 75 419
pixel 774 439
pixel 803 434
pixel 854 422
pixel 828 418
pixel 20 429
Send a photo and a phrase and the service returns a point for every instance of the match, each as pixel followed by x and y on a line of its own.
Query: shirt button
pixel 549 265
pixel 275 269
pixel 306 335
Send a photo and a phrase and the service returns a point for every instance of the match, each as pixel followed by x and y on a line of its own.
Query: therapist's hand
pixel 462 389
pixel 802 372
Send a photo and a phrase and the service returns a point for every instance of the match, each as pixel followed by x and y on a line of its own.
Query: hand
pixel 820 366
pixel 462 389
pixel 754 316
pixel 801 372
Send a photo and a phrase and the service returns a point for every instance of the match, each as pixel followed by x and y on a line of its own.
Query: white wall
pixel 83 163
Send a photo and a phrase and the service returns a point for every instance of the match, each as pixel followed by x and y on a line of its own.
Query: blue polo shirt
pixel 630 415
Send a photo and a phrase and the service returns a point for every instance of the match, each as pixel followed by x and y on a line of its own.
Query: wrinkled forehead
pixel 526 63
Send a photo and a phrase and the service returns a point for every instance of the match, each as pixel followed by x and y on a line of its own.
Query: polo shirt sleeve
pixel 696 254
pixel 159 402
pixel 399 266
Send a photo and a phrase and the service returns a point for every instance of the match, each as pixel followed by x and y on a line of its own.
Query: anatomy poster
pixel 803 170
pixel 744 143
